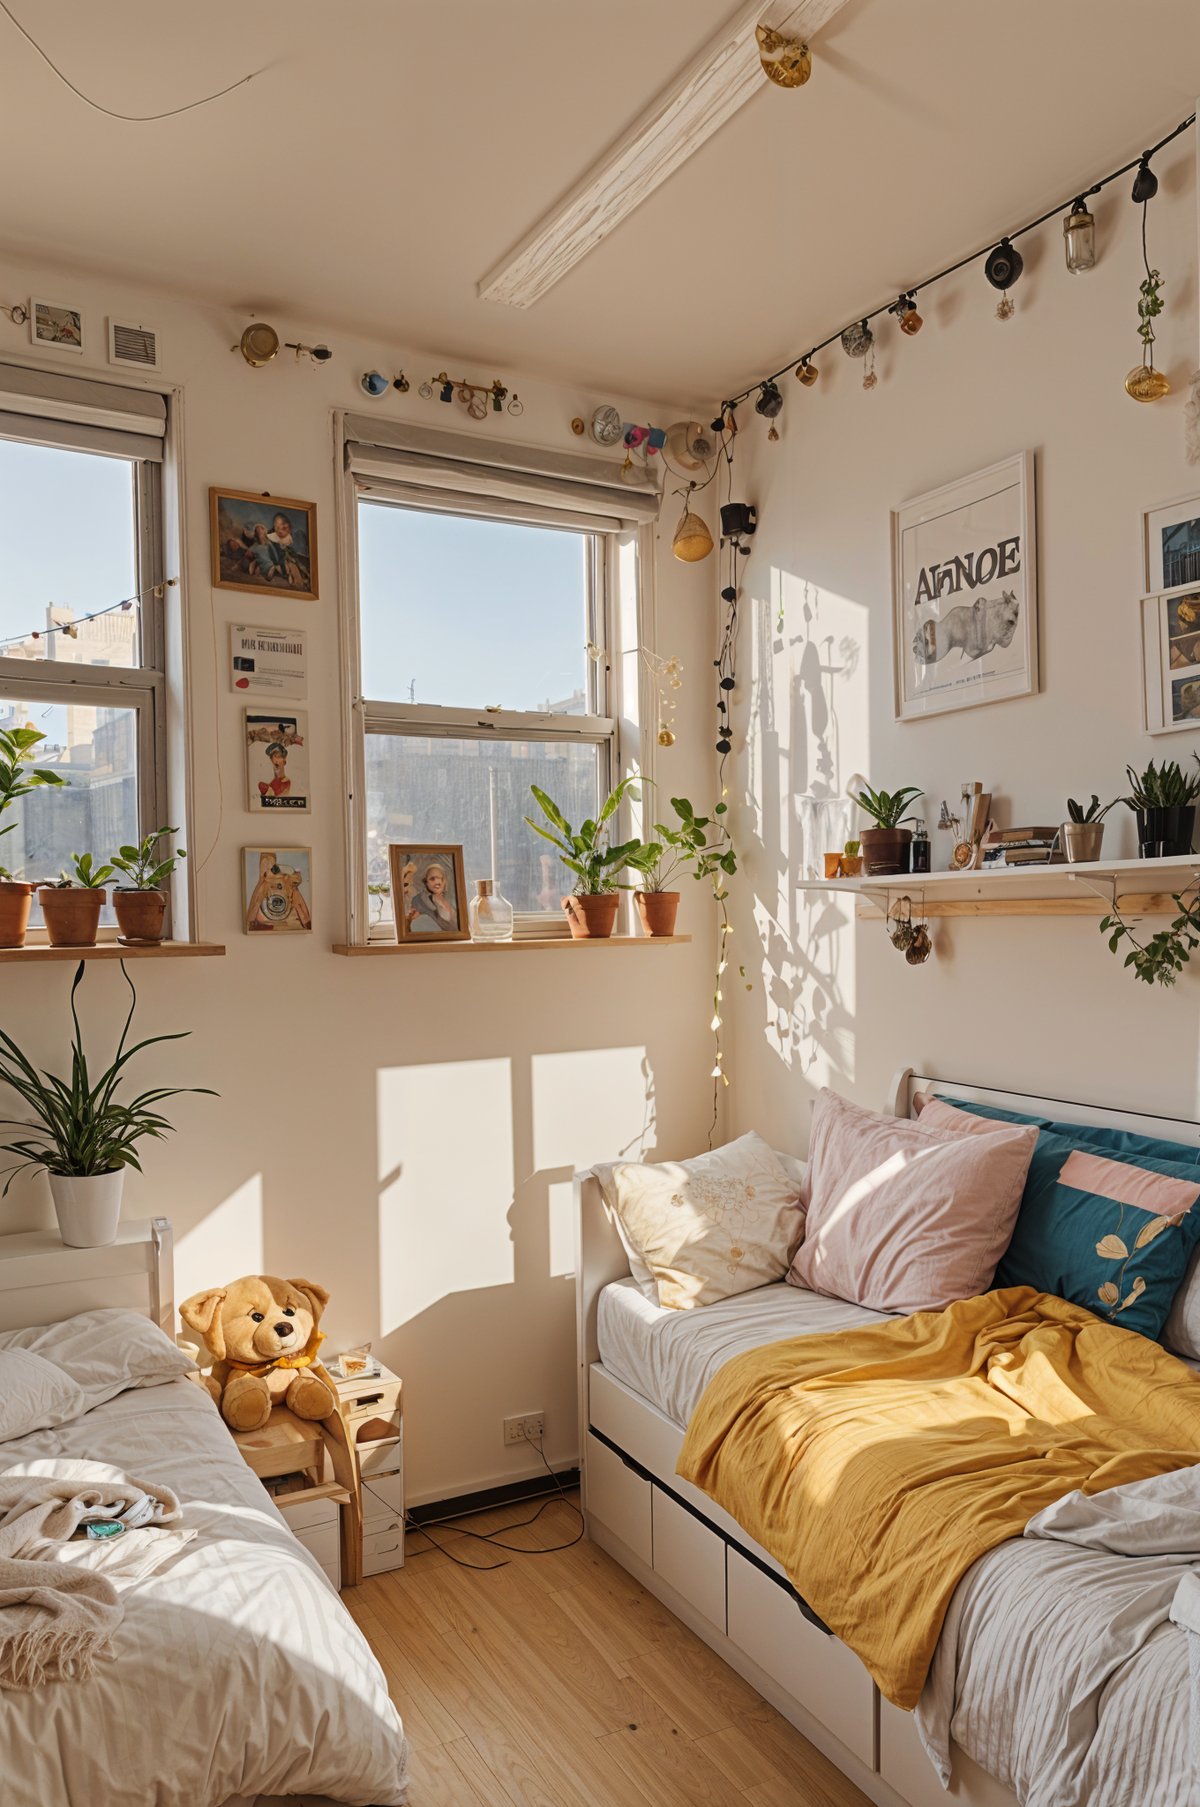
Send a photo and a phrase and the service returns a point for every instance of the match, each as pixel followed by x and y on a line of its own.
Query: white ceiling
pixel 396 149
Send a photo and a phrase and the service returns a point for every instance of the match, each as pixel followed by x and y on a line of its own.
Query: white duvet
pixel 238 1671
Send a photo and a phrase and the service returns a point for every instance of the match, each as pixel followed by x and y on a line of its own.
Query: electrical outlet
pixel 531 1424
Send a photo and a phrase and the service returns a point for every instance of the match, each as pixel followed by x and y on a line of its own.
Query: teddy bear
pixel 262 1335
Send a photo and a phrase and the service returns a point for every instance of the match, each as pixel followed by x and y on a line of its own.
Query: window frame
pixel 143 687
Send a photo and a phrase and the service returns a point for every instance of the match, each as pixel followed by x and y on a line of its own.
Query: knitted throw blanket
pixel 58 1611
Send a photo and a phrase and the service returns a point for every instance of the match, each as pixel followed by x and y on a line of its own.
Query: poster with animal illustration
pixel 277 890
pixel 964 592
pixel 277 760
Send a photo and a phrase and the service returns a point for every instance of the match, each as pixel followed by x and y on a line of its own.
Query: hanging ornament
pixel 806 373
pixel 920 947
pixel 869 377
pixel 515 404
pixel 857 340
pixel 1002 266
pixel 786 61
pixel 770 400
pixel 688 446
pixel 691 540
pixel 908 319
pixel 425 391
pixel 1079 238
pixel 1144 383
pixel 401 383
pixel 668 674
pixel 1145 183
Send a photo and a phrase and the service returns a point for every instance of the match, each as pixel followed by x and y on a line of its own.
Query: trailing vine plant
pixel 1160 960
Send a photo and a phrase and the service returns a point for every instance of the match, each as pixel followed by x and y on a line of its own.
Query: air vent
pixel 134 347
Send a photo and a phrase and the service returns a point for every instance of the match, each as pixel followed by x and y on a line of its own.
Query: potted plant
pixel 677 850
pixel 141 905
pixel 1083 834
pixel 591 908
pixel 886 846
pixel 851 861
pixel 82 1133
pixel 1163 799
pixel 72 904
pixel 17 779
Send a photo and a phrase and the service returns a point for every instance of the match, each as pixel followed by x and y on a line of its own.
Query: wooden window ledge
pixel 35 953
pixel 387 948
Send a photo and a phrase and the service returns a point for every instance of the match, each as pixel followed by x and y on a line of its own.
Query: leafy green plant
pixel 81 1126
pixel 18 776
pixel 1150 305
pixel 1160 960
pixel 1094 811
pixel 83 874
pixel 587 851
pixel 141 864
pixel 690 846
pixel 887 808
pixel 1162 787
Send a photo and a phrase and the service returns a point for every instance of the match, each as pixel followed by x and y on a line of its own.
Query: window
pixel 494 606
pixel 80 514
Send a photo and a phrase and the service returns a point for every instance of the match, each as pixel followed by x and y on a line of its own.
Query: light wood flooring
pixel 558 1681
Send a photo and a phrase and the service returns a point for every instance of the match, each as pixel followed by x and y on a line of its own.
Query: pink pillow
pixel 936 1113
pixel 903 1216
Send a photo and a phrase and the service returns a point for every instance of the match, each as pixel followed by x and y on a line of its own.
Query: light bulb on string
pixel 1079 238
pixel 1002 266
pixel 807 372
pixel 1145 183
pixel 907 317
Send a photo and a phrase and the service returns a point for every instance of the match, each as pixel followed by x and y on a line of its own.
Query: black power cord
pixel 495 1539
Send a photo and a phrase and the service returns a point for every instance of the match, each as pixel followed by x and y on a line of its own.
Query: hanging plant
pixel 1160 960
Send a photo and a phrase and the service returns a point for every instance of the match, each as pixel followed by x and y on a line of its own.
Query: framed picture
pixel 267 659
pixel 964 593
pixel 277 890
pixel 1171 661
pixel 54 326
pixel 1172 545
pixel 276 760
pixel 429 893
pixel 263 543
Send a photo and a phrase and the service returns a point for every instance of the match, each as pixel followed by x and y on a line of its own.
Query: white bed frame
pixel 704 1567
pixel 42 1281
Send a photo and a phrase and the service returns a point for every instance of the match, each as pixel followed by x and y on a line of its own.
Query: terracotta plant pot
pixel 140 916
pixel 851 865
pixel 592 918
pixel 658 910
pixel 72 914
pixel 16 901
pixel 885 851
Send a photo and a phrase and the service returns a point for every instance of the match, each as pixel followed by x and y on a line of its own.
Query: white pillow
pixel 701 1230
pixel 105 1351
pixel 34 1395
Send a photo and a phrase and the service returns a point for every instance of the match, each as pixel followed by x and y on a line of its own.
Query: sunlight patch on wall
pixel 228 1241
pixel 445 1140
pixel 594 1105
pixel 560 1211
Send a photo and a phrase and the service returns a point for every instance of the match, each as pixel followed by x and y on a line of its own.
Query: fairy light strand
pixel 70 629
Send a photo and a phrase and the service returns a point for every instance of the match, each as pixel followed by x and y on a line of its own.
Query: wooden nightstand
pixel 372 1407
pixel 326 1515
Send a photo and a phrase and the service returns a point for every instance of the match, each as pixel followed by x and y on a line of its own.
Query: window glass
pixel 423 788
pixel 467 613
pixel 95 750
pixel 68 545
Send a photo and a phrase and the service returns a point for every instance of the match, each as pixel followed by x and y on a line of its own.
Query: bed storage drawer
pixel 620 1498
pixel 904 1765
pixel 689 1557
pixel 817 1670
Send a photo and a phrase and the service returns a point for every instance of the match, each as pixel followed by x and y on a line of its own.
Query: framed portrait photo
pixel 1171 661
pixel 1172 545
pixel 277 890
pixel 264 544
pixel 276 760
pixel 964 593
pixel 54 326
pixel 429 893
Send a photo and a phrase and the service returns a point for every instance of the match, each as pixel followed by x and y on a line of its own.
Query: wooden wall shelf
pixel 388 948
pixel 1139 887
pixel 39 952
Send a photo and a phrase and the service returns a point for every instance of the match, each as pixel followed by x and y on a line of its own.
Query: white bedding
pixel 237 1672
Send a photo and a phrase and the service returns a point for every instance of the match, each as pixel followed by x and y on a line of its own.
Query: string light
pixel 70 629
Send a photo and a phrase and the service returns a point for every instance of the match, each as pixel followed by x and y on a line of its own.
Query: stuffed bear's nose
pixel 283 1328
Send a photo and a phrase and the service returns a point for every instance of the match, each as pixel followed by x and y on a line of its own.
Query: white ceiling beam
pixel 718 81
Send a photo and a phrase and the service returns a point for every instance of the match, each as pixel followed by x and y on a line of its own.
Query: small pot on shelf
pixel 141 916
pixel 72 913
pixel 658 910
pixel 16 901
pixel 1082 841
pixel 885 851
pixel 592 917
pixel 88 1207
pixel 1166 833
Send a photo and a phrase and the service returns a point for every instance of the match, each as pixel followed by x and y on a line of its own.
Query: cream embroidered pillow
pixel 704 1229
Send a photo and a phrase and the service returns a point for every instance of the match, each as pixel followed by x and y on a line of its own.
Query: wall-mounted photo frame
pixel 1170 641
pixel 277 890
pixel 1171 545
pixel 263 544
pixel 964 592
pixel 55 326
pixel 276 760
pixel 429 892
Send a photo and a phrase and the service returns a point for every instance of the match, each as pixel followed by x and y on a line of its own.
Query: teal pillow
pixel 1120 1143
pixel 1110 1233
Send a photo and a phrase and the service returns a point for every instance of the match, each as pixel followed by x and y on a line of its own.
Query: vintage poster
pixel 277 760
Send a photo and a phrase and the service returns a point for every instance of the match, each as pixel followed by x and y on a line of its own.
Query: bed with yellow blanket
pixel 878 1464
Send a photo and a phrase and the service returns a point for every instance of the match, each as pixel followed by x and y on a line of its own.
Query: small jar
pixel 491 916
pixel 921 861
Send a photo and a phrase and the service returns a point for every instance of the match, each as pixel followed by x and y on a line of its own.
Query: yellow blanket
pixel 876 1465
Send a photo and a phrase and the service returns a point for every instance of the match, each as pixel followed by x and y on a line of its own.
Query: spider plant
pixel 81 1126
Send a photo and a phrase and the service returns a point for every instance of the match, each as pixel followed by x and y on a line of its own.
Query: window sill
pixel 386 948
pixel 35 953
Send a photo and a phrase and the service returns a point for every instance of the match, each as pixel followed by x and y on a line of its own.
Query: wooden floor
pixel 557 1681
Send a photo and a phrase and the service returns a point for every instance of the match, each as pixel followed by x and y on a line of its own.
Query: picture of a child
pixel 431 905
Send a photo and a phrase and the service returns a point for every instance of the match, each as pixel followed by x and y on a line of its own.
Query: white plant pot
pixel 88 1207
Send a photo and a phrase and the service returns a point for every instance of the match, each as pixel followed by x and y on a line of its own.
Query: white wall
pixel 402 1130
pixel 1032 1003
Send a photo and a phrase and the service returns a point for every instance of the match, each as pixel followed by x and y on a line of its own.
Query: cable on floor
pixel 494 1537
